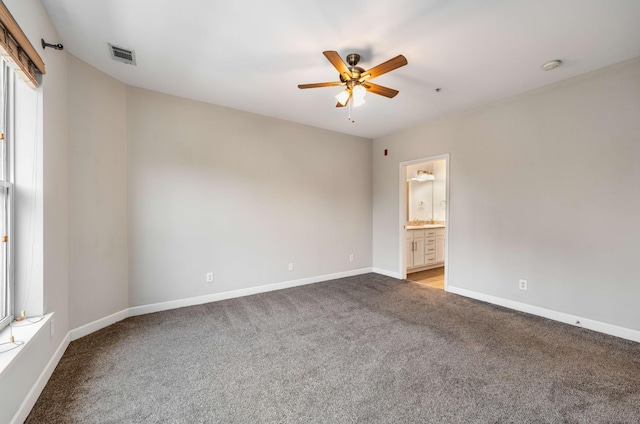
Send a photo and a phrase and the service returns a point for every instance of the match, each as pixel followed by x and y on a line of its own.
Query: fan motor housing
pixel 352 60
pixel 356 71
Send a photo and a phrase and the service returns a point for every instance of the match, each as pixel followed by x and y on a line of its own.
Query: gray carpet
pixel 365 349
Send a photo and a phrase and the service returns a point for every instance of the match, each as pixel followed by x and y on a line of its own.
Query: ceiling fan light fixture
pixel 358 92
pixel 343 96
pixel 358 101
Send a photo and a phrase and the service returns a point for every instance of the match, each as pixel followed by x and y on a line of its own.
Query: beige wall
pixel 543 186
pixel 164 190
pixel 240 195
pixel 98 272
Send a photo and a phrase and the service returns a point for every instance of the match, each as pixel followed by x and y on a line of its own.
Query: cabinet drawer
pixel 430 250
pixel 414 234
pixel 430 259
pixel 430 240
pixel 430 233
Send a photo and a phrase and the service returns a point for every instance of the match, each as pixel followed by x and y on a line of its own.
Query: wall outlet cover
pixel 522 284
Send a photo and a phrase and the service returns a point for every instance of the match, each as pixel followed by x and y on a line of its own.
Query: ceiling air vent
pixel 122 55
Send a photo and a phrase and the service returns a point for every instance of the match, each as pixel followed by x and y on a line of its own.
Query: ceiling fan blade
pixel 339 64
pixel 320 84
pixel 378 89
pixel 383 68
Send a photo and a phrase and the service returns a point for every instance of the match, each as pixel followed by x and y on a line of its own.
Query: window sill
pixel 23 331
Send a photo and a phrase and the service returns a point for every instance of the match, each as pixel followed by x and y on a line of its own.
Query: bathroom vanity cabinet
pixel 424 248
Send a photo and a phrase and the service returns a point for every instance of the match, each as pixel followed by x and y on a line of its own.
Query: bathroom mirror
pixel 426 199
pixel 420 199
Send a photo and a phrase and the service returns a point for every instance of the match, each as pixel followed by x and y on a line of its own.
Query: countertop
pixel 422 227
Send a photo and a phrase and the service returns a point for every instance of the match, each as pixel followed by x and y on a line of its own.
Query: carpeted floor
pixel 365 349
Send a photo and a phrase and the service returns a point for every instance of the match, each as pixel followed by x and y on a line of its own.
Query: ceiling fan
pixel 356 80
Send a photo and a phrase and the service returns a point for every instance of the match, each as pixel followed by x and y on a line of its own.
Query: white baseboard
pixel 391 274
pixel 33 395
pixel 215 297
pixel 199 300
pixel 601 327
pixel 96 325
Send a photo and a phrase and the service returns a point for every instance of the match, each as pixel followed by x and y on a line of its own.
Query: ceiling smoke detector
pixel 551 65
pixel 122 55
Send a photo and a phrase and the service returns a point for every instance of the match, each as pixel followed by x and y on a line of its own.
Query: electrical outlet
pixel 51 328
pixel 291 266
pixel 522 284
pixel 351 257
pixel 209 277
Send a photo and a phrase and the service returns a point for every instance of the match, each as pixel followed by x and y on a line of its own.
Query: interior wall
pixel 217 190
pixel 543 187
pixel 98 269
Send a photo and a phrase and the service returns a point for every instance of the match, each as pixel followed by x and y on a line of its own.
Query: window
pixel 6 198
pixel 18 58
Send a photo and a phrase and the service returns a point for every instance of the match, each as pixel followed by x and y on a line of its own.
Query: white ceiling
pixel 251 54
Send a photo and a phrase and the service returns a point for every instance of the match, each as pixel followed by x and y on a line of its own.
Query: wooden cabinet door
pixel 418 254
pixel 409 253
pixel 440 249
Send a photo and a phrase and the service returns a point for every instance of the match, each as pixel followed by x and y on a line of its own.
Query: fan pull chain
pixel 351 118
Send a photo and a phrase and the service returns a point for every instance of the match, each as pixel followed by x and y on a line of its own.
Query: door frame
pixel 403 214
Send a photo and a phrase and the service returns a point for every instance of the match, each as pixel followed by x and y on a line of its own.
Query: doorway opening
pixel 424 223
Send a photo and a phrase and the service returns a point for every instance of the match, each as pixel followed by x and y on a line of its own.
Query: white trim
pixel 425 267
pixel 447 221
pixel 98 324
pixel 391 274
pixel 24 332
pixel 601 327
pixel 214 297
pixel 403 213
pixel 27 404
pixel 403 220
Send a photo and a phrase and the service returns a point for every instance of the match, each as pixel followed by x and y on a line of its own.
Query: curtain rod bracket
pixel 54 46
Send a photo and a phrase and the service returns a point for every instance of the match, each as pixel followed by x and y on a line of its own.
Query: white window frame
pixel 6 183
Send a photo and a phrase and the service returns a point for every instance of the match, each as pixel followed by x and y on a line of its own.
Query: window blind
pixel 16 49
